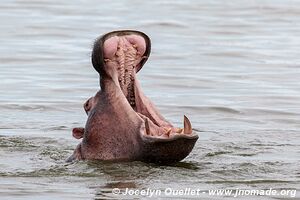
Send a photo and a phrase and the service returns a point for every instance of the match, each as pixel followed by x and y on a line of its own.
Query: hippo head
pixel 123 124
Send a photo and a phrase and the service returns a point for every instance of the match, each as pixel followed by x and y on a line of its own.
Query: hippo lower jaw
pixel 137 130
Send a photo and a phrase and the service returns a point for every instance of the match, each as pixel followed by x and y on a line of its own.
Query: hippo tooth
pixel 187 126
pixel 169 132
pixel 179 130
pixel 147 127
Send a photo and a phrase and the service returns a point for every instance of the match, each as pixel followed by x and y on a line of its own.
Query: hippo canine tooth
pixel 187 125
pixel 147 127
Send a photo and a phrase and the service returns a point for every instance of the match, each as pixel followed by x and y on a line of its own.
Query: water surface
pixel 232 67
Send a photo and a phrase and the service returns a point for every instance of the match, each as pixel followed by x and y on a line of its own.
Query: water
pixel 231 66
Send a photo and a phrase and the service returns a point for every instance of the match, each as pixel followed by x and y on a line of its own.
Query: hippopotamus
pixel 123 124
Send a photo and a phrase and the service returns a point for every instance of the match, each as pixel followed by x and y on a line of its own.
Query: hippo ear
pixel 78 133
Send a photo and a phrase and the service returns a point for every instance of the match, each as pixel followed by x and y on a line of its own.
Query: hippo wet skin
pixel 123 124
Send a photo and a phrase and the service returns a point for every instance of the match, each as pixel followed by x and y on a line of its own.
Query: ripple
pixel 56 128
pixel 250 182
pixel 168 24
pixel 245 154
pixel 15 142
pixel 211 154
pixel 35 107
pixel 208 109
pixel 269 112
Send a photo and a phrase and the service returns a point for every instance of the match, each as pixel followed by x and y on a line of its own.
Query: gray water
pixel 232 67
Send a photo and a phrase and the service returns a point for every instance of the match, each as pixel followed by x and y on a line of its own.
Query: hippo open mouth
pixel 123 124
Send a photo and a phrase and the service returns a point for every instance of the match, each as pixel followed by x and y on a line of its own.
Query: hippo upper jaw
pixel 124 53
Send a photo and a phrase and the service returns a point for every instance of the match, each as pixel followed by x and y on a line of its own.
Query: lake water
pixel 232 67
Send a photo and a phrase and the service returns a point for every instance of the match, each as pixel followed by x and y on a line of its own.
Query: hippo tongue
pixel 124 53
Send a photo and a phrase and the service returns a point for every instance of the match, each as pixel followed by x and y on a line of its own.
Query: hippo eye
pixel 86 105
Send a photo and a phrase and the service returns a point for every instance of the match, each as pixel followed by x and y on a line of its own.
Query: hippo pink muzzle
pixel 123 124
